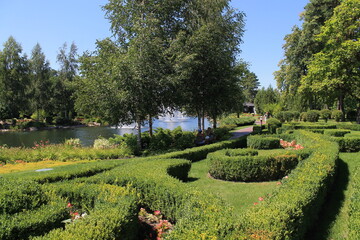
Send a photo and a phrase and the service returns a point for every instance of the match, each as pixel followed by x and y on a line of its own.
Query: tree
pixel 249 82
pixel 40 85
pixel 299 48
pixel 265 97
pixel 63 84
pixel 204 58
pixel 13 80
pixel 335 70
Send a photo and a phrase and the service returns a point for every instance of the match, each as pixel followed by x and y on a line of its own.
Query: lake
pixel 87 135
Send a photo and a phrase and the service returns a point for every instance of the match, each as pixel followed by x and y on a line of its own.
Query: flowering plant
pixel 41 144
pixel 159 227
pixel 74 214
pixel 290 145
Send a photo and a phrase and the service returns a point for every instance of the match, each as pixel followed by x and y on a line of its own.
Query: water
pixel 87 135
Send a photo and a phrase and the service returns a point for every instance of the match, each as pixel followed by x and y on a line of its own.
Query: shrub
pixel 348 144
pixel 336 132
pixel 261 142
pixel 129 142
pixel 296 115
pixel 242 165
pixel 351 115
pixel 337 115
pixel 162 140
pixel 288 116
pixel 303 116
pixel 273 124
pixel 257 129
pixel 312 116
pixel 102 143
pixel 325 114
pixel 280 116
pixel 73 142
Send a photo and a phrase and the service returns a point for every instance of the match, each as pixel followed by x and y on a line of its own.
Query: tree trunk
pixel 150 126
pixel 341 106
pixel 358 115
pixel 203 123
pixel 138 123
pixel 199 121
pixel 238 115
pixel 214 122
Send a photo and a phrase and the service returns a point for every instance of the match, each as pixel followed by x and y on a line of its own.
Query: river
pixel 87 135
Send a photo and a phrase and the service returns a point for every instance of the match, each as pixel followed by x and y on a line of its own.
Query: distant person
pixel 200 139
pixel 209 135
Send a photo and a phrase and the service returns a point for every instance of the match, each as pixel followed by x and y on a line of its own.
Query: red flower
pixel 256 203
pixel 261 199
pixel 157 212
pixel 69 205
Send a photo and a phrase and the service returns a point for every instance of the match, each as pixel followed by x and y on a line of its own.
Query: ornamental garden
pixel 301 181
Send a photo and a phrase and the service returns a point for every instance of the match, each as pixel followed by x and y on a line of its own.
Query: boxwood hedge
pixel 262 142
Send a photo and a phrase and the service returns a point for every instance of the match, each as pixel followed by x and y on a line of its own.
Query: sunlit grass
pixel 23 166
pixel 238 194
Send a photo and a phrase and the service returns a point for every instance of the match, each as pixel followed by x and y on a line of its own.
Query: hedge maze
pixel 111 192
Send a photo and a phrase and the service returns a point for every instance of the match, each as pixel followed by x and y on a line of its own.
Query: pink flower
pixel 256 203
pixel 261 199
pixel 157 212
pixel 278 183
pixel 69 205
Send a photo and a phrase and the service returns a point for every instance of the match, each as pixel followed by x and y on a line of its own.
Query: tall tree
pixel 264 97
pixel 336 69
pixel 64 82
pixel 204 57
pixel 40 87
pixel 299 47
pixel 13 79
pixel 249 82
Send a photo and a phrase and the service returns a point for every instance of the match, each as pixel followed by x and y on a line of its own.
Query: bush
pixel 336 132
pixel 280 116
pixel 348 144
pixel 303 116
pixel 312 116
pixel 296 115
pixel 337 115
pixel 261 142
pixel 73 142
pixel 257 129
pixel 351 115
pixel 242 165
pixel 129 142
pixel 288 116
pixel 273 124
pixel 325 114
pixel 102 143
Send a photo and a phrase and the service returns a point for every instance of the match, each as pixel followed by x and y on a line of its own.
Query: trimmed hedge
pixel 349 126
pixel 354 208
pixel 348 144
pixel 242 121
pixel 261 142
pixel 292 209
pixel 242 165
pixel 336 132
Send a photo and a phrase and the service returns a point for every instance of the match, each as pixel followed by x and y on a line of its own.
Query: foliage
pixel 336 132
pixel 263 142
pixel 337 115
pixel 102 143
pixel 325 114
pixel 73 142
pixel 273 124
pixel 264 97
pixel 354 208
pixel 312 116
pixel 242 121
pixel 348 144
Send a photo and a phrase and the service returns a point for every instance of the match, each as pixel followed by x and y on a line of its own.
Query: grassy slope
pixel 240 195
pixel 333 220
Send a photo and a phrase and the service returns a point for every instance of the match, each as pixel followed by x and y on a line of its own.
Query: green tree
pixel 249 82
pixel 63 83
pixel 299 48
pixel 335 70
pixel 265 98
pixel 40 85
pixel 14 71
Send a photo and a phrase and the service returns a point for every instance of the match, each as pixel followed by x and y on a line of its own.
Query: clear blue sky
pixel 53 22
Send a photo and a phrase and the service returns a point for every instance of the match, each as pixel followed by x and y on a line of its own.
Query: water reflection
pixel 87 135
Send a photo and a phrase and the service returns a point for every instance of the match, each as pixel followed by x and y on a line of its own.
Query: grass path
pixel 239 195
pixel 333 221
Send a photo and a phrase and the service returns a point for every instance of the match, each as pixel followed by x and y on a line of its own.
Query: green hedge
pixel 242 121
pixel 242 165
pixel 262 142
pixel 350 126
pixel 199 153
pixel 291 210
pixel 354 208
pixel 336 132
pixel 348 144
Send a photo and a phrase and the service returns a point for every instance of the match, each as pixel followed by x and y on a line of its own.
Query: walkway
pixel 241 132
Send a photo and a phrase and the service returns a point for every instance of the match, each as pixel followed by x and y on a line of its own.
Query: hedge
pixel 336 132
pixel 199 153
pixel 354 208
pixel 111 212
pixel 292 209
pixel 243 121
pixel 349 126
pixel 261 142
pixel 348 144
pixel 248 168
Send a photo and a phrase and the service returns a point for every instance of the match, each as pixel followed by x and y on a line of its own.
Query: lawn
pixel 239 195
pixel 333 222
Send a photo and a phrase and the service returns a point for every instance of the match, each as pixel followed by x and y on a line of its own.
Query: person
pixel 209 135
pixel 199 140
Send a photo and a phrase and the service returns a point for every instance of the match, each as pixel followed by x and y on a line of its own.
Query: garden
pixel 299 182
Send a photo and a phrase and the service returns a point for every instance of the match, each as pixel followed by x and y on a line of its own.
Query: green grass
pixel 239 195
pixel 239 128
pixel 333 221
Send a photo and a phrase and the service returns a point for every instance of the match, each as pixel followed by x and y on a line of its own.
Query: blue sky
pixel 51 23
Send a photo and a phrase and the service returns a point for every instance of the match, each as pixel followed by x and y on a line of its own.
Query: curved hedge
pixel 263 142
pixel 246 167
pixel 336 132
pixel 293 208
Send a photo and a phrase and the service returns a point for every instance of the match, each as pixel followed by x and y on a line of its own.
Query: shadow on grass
pixel 191 179
pixel 332 204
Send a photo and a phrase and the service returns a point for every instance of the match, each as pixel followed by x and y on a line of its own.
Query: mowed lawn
pixel 237 194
